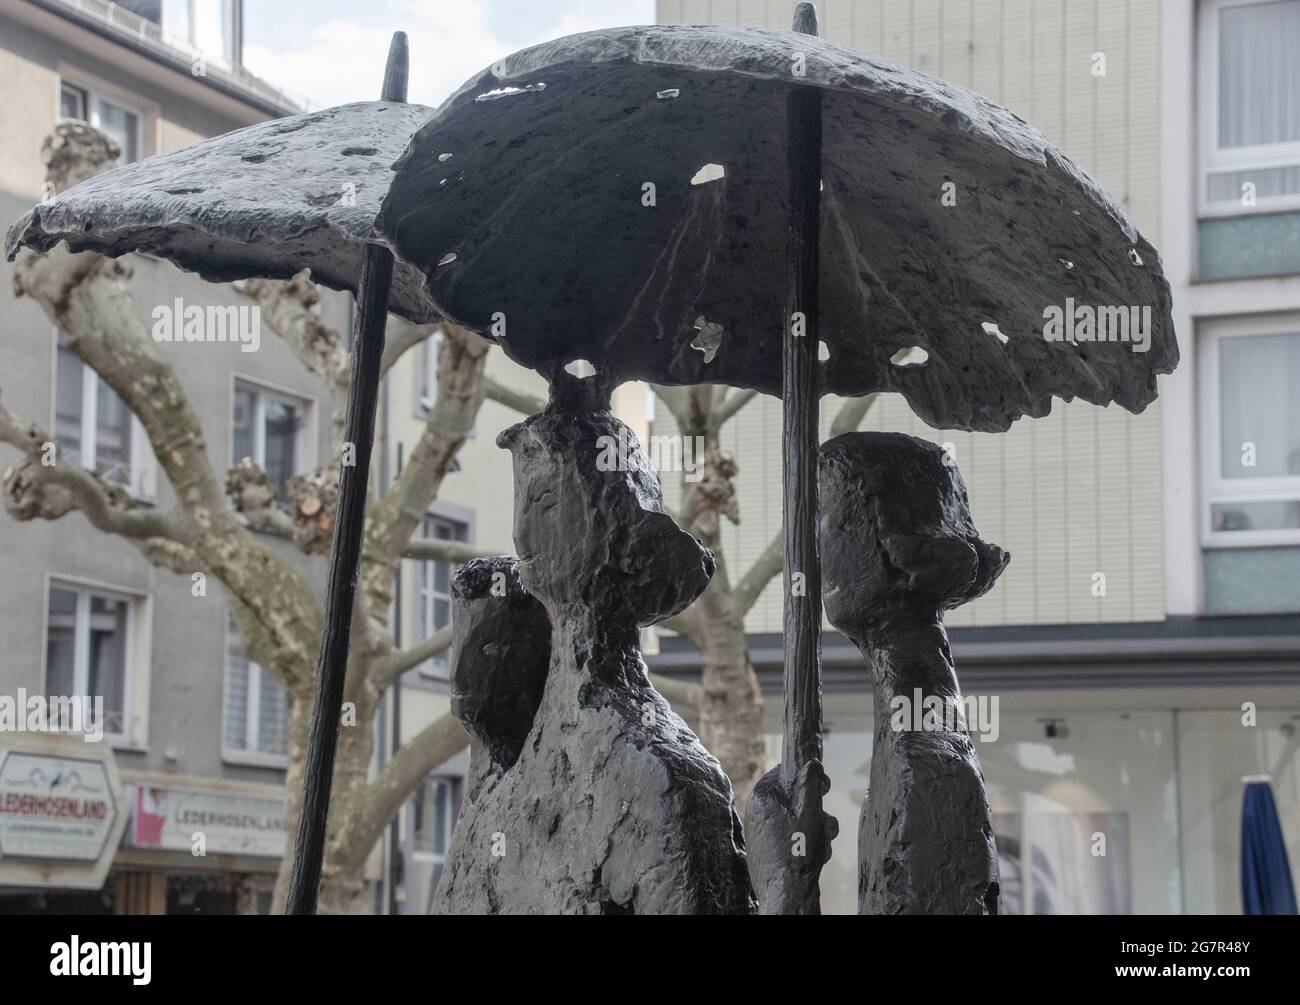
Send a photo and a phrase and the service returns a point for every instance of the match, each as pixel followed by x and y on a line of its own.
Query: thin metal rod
pixel 345 552
pixel 803 608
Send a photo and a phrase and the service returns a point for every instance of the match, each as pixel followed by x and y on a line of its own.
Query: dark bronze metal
pixel 345 553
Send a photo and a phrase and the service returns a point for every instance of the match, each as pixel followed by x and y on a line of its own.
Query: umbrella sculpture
pixel 648 199
pixel 708 204
pixel 270 200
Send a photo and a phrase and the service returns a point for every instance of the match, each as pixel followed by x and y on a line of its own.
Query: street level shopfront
pixel 80 836
pixel 1115 755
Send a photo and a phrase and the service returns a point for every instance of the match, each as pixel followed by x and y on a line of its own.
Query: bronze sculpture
pixel 899 548
pixel 610 804
pixel 546 246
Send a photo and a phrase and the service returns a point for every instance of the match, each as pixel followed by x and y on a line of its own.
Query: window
pixel 1251 433
pixel 1250 106
pixel 94 428
pixel 426 374
pixel 433 590
pixel 212 28
pixel 117 119
pixel 270 428
pixel 433 814
pixel 255 728
pixel 91 652
pixel 72 102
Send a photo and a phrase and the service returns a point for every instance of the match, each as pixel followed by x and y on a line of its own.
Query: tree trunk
pixel 299 724
pixel 731 709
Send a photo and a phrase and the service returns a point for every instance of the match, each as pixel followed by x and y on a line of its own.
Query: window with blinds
pixel 255 727
pixel 1250 97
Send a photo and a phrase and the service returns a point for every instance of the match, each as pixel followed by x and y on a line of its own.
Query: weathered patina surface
pixel 610 805
pixel 899 548
pixel 265 201
pixel 525 201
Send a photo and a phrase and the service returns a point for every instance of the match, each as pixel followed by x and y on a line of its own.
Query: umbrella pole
pixel 803 608
pixel 345 552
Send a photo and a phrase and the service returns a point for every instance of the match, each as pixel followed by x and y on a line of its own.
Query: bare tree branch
pixel 679 692
pixel 851 414
pixel 769 564
pixel 400 336
pixel 521 401
pixel 392 522
pixel 171 555
pixel 291 307
pixel 433 550
pixel 408 659
pixel 732 404
pixel 34 490
pixel 439 741
pixel 772 559
pixel 676 400
pixel 689 623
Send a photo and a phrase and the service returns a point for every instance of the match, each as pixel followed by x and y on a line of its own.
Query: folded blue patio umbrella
pixel 1266 886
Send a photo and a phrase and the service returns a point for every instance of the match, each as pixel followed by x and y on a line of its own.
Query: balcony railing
pixel 131 26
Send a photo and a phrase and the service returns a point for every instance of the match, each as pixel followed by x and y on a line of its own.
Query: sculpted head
pixel 500 654
pixel 896 530
pixel 590 531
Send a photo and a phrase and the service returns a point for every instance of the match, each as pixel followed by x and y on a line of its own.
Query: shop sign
pixel 206 821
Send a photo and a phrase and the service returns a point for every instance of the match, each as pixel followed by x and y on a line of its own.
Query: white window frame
pixel 426 595
pixel 1215 160
pixel 250 755
pixel 188 35
pixel 143 476
pixel 426 373
pixel 429 858
pixel 94 94
pixel 1216 489
pixel 138 648
pixel 305 438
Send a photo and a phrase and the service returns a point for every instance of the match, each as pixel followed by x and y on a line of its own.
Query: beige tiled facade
pixel 1078 492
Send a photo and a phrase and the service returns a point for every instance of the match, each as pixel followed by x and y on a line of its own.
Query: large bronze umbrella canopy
pixel 270 200
pixel 561 202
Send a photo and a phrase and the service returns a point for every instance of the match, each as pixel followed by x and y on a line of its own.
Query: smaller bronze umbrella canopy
pixel 267 201
pixel 270 200
pixel 704 204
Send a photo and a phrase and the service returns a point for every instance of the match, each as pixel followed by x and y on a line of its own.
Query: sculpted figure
pixel 499 657
pixel 610 805
pixel 898 549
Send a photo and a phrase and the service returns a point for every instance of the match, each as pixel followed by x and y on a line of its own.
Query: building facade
pixel 1142 645
pixel 1140 656
pixel 196 730
pixel 194 734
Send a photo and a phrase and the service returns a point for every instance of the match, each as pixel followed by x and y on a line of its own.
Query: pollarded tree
pixel 219 523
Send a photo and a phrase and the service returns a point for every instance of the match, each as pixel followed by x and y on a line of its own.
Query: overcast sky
pixel 332 51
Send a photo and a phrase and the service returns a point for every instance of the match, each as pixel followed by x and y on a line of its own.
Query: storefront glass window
pixel 1085 807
